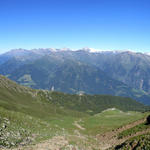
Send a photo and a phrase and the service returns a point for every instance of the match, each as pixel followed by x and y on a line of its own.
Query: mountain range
pixel 119 73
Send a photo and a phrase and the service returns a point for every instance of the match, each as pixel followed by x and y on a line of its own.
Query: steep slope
pixel 25 100
pixel 9 66
pixel 19 56
pixel 132 136
pixel 25 116
pixel 129 67
pixel 137 142
pixel 19 98
pixel 18 53
pixel 132 69
pixel 135 137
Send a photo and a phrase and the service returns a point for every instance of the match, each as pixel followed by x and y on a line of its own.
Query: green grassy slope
pixel 135 137
pixel 108 120
pixel 18 98
pixel 93 104
pixel 28 116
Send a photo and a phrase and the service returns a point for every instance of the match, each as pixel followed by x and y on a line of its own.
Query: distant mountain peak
pixel 92 50
pixel 22 51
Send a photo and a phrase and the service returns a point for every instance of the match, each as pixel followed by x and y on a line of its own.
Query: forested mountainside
pixel 115 73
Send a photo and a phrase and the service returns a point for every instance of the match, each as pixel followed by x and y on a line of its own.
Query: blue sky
pixel 100 24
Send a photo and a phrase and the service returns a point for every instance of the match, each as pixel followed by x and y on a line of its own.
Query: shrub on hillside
pixel 148 119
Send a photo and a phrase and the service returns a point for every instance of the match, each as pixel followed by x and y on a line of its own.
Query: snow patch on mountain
pixel 45 51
